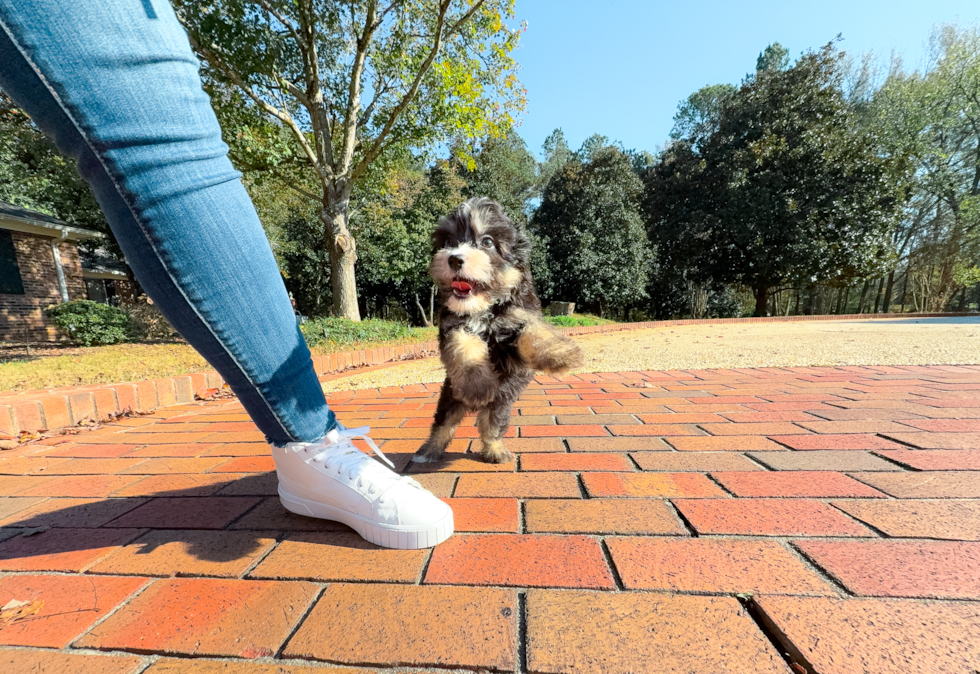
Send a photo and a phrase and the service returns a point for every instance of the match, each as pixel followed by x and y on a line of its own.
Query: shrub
pixel 326 331
pixel 576 320
pixel 147 323
pixel 90 322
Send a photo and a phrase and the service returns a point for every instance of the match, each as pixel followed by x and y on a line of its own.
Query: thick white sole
pixel 401 537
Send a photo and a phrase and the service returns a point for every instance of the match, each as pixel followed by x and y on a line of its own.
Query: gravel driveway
pixel 899 341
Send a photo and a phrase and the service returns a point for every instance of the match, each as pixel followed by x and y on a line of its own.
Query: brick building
pixel 40 265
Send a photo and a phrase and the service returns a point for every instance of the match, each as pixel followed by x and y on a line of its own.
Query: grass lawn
pixel 73 366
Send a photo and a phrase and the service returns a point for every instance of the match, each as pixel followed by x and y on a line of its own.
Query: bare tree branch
pixel 281 115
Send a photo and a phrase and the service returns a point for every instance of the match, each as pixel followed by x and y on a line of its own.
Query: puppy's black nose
pixel 456 261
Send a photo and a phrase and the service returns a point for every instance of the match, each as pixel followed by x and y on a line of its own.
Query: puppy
pixel 491 336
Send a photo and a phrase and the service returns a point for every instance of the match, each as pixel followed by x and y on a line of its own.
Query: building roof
pixel 19 219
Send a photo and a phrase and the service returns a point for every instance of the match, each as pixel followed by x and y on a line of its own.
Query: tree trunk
pixel 425 319
pixel 864 292
pixel 878 295
pixel 888 292
pixel 761 292
pixel 343 252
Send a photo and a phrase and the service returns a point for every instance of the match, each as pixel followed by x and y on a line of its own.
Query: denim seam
pixel 104 161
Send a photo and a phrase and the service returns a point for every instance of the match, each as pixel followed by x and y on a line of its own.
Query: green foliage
pixel 90 323
pixel 34 175
pixel 698 115
pixel 327 332
pixel 505 171
pixel 788 188
pixel 773 57
pixel 590 223
pixel 576 320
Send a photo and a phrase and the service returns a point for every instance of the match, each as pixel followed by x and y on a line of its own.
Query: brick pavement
pixel 822 520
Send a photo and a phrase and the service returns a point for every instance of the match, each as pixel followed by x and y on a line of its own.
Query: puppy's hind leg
pixel 492 422
pixel 449 412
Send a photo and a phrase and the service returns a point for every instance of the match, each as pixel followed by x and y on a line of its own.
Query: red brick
pixel 852 441
pixel 728 399
pixel 847 427
pixel 724 444
pixel 824 459
pixel 768 517
pixel 778 428
pixel 239 449
pixel 61 549
pixel 339 557
pixel 640 485
pixel 952 520
pixel 496 515
pixel 580 431
pixel 69 606
pixel 933 484
pixel 146 395
pixel 576 462
pixel 456 463
pixel 938 440
pixel 522 561
pixel 606 633
pixel 178 450
pixel 250 464
pixel 654 429
pixel 692 462
pixel 188 553
pixel 694 418
pixel 27 416
pixel 575 419
pixel 178 485
pixel 56 411
pixel 940 459
pixel 872 635
pixel 90 486
pixel 939 569
pixel 766 417
pixel 602 516
pixel 93 451
pixel 16 485
pixel 647 444
pixel 518 485
pixel 469 627
pixel 214 512
pixel 55 662
pixel 712 565
pixel 803 483
pixel 198 616
pixel 126 396
pixel 83 513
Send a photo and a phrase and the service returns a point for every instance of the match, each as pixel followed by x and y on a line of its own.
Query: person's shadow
pixel 219 522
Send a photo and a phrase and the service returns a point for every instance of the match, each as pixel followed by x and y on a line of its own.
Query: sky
pixel 620 67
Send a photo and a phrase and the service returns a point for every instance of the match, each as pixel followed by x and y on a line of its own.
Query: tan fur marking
pixel 544 349
pixel 477 266
pixel 511 277
pixel 469 349
pixel 439 269
pixel 443 435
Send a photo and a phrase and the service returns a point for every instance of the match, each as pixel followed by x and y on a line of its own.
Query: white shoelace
pixel 338 447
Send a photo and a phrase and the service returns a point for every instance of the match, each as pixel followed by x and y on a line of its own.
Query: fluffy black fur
pixel 504 316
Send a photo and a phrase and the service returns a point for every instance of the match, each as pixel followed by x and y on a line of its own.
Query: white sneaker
pixel 334 480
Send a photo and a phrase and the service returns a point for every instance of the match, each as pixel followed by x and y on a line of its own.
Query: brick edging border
pixel 32 411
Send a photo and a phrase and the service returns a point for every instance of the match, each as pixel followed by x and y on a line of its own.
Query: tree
pixel 934 118
pixel 502 169
pixel 788 189
pixel 697 116
pixel 34 175
pixel 589 219
pixel 556 153
pixel 354 83
pixel 773 57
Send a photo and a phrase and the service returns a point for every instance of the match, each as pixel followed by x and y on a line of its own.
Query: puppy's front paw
pixel 558 356
pixel 430 452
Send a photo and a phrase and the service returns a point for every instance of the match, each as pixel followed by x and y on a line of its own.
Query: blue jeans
pixel 115 84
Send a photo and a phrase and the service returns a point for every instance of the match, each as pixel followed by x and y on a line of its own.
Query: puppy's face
pixel 479 257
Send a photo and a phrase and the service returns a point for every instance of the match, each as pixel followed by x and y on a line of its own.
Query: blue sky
pixel 619 67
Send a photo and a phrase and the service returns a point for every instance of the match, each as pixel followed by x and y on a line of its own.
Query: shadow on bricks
pixel 237 520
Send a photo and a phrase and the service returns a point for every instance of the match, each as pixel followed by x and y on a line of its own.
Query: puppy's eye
pixel 487 242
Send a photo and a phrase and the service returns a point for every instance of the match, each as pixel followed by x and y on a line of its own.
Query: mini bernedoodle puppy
pixel 491 336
